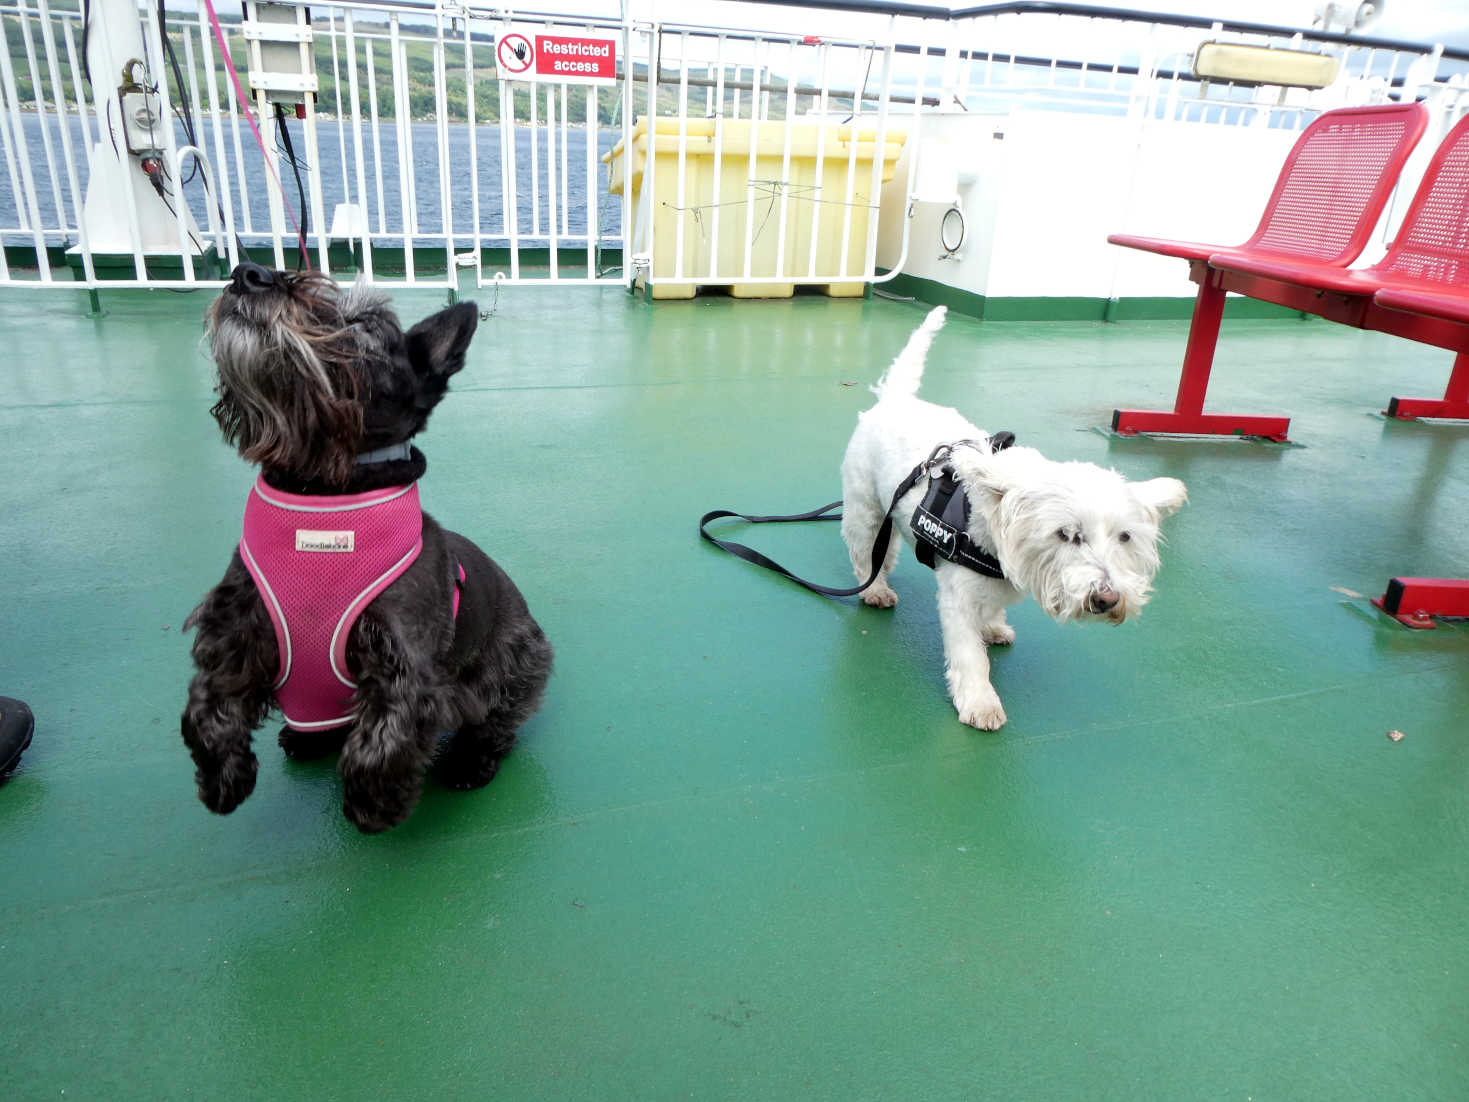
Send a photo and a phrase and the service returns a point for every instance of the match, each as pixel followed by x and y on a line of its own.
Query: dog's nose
pixel 1103 600
pixel 248 278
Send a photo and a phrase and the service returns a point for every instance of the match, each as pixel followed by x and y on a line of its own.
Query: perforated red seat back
pixel 1432 244
pixel 1336 181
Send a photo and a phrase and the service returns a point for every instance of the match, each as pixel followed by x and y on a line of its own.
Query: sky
pixel 1445 21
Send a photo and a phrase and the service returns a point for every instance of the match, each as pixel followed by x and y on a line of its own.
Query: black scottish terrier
pixel 320 386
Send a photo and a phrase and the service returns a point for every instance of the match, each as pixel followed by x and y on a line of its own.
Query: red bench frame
pixel 1419 290
pixel 1414 602
pixel 1332 189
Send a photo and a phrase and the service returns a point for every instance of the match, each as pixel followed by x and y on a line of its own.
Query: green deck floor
pixel 746 850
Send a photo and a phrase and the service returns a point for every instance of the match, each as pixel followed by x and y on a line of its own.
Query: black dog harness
pixel 940 524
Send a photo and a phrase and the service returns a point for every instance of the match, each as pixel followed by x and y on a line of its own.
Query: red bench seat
pixel 1328 197
pixel 1419 290
pixel 1428 303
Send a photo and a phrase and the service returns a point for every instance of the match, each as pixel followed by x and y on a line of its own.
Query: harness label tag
pixel 934 531
pixel 312 539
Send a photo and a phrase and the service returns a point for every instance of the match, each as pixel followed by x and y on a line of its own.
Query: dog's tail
pixel 903 377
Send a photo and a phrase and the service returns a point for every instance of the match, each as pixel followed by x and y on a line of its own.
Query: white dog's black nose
pixel 248 278
pixel 1103 600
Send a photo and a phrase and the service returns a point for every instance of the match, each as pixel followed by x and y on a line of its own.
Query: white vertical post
pixel 535 164
pixel 592 188
pixel 819 192
pixel 369 50
pixel 220 186
pixel 785 158
pixel 680 186
pixel 337 94
pixel 22 156
pixel 366 234
pixel 38 90
pixel 240 175
pixel 78 87
pixel 201 163
pixel 403 118
pixel 262 112
pixel 511 185
pixel 650 166
pixel 313 150
pixel 879 147
pixel 154 40
pixel 627 146
pixel 565 173
pixel 200 160
pixel 718 164
pixel 441 130
pixel 753 162
pixel 552 238
pixel 852 139
pixel 49 40
pixel 469 92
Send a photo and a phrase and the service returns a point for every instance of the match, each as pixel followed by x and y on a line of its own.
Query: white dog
pixel 1082 540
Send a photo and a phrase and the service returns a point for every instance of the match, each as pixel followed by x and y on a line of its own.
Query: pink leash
pixel 249 113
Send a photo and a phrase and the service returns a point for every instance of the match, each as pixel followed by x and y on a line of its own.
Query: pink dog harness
pixel 318 561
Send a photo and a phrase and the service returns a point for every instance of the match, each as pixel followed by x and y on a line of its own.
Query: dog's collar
pixel 940 524
pixel 402 450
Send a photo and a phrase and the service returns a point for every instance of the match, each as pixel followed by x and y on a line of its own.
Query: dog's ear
pixel 437 344
pixel 1162 495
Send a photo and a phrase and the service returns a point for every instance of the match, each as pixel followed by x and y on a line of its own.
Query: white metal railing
pixel 418 159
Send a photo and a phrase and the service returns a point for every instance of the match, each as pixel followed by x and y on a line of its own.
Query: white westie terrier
pixel 1081 539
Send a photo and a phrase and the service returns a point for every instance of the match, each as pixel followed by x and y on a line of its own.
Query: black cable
pixel 290 153
pixel 157 183
pixel 111 132
pixel 185 114
pixel 86 27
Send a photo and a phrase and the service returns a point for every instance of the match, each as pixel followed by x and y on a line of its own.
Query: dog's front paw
pixel 371 819
pixel 879 595
pixel 465 772
pixel 224 785
pixel 983 712
pixel 373 806
pixel 997 634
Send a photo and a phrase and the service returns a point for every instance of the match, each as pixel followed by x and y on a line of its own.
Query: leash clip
pixel 934 464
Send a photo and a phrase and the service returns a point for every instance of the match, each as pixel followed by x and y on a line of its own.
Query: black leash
pixel 933 467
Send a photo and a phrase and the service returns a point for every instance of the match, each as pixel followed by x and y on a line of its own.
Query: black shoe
pixel 16 727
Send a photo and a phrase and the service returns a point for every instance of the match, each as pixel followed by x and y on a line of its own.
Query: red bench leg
pixel 1454 403
pixel 1188 414
pixel 1415 601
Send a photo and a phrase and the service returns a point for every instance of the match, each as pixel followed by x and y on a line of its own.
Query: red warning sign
pixel 514 55
pixel 576 59
pixel 560 57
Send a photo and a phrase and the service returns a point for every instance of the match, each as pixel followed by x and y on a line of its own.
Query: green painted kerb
pixel 1068 308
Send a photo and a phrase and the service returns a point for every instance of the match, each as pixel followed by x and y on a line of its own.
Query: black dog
pixel 320 386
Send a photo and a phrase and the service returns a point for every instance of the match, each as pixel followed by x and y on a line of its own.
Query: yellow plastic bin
pixel 739 203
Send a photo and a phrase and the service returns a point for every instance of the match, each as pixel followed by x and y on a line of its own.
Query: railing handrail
pixel 1142 76
pixel 1046 7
